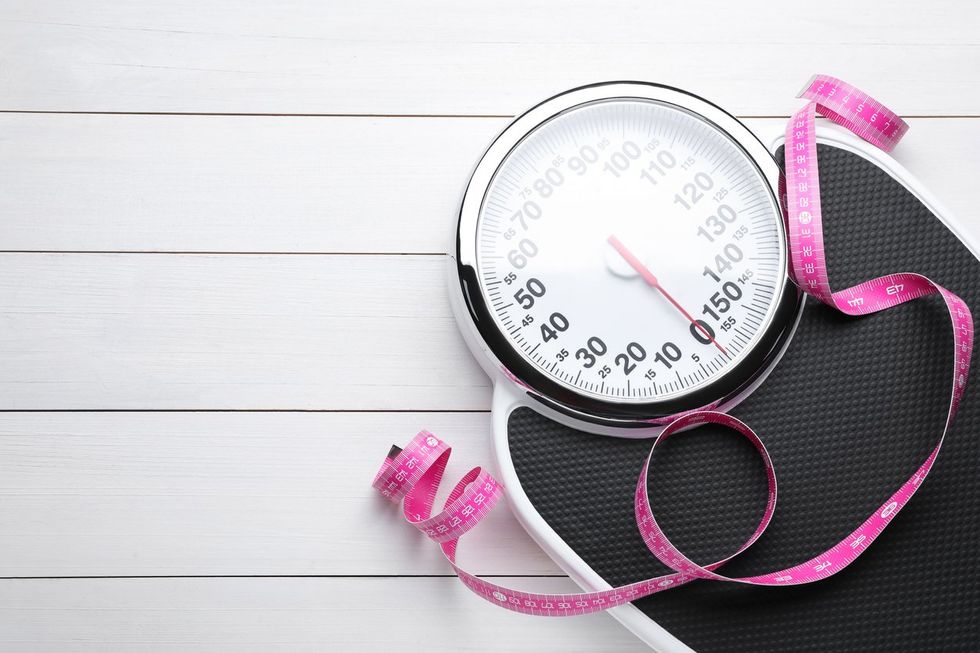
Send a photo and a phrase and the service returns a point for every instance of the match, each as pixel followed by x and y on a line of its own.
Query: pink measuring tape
pixel 413 474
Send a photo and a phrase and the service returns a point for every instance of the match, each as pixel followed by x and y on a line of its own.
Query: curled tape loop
pixel 414 473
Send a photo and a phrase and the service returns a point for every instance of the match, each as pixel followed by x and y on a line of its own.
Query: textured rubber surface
pixel 917 588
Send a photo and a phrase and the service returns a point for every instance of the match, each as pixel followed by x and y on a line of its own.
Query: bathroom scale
pixel 621 260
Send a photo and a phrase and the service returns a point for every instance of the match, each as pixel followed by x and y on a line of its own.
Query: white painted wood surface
pixel 223 184
pixel 276 614
pixel 229 493
pixel 274 282
pixel 131 331
pixel 357 56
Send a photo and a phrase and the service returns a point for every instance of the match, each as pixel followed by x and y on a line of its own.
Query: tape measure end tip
pixel 806 87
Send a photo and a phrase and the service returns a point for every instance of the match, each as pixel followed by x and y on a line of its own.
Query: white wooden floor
pixel 222 288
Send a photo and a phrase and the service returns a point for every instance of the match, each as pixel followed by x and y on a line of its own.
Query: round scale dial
pixel 630 250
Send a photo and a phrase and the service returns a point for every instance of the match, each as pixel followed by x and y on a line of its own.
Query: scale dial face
pixel 630 251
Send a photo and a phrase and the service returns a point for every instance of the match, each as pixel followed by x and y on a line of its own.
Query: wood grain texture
pixel 306 274
pixel 293 614
pixel 264 184
pixel 130 331
pixel 164 494
pixel 444 58
pixel 235 184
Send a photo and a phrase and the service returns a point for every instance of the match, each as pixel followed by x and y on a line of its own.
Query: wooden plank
pixel 245 184
pixel 293 614
pixel 386 57
pixel 216 183
pixel 164 494
pixel 112 331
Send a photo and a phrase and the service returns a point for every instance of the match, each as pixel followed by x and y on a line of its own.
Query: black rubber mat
pixel 849 413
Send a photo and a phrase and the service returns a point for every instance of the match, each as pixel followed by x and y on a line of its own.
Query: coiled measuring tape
pixel 413 474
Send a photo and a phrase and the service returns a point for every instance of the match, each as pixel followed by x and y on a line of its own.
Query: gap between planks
pixel 178 576
pixel 247 410
pixel 423 116
pixel 212 252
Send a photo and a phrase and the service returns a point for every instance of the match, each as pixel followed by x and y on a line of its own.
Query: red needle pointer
pixel 648 276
